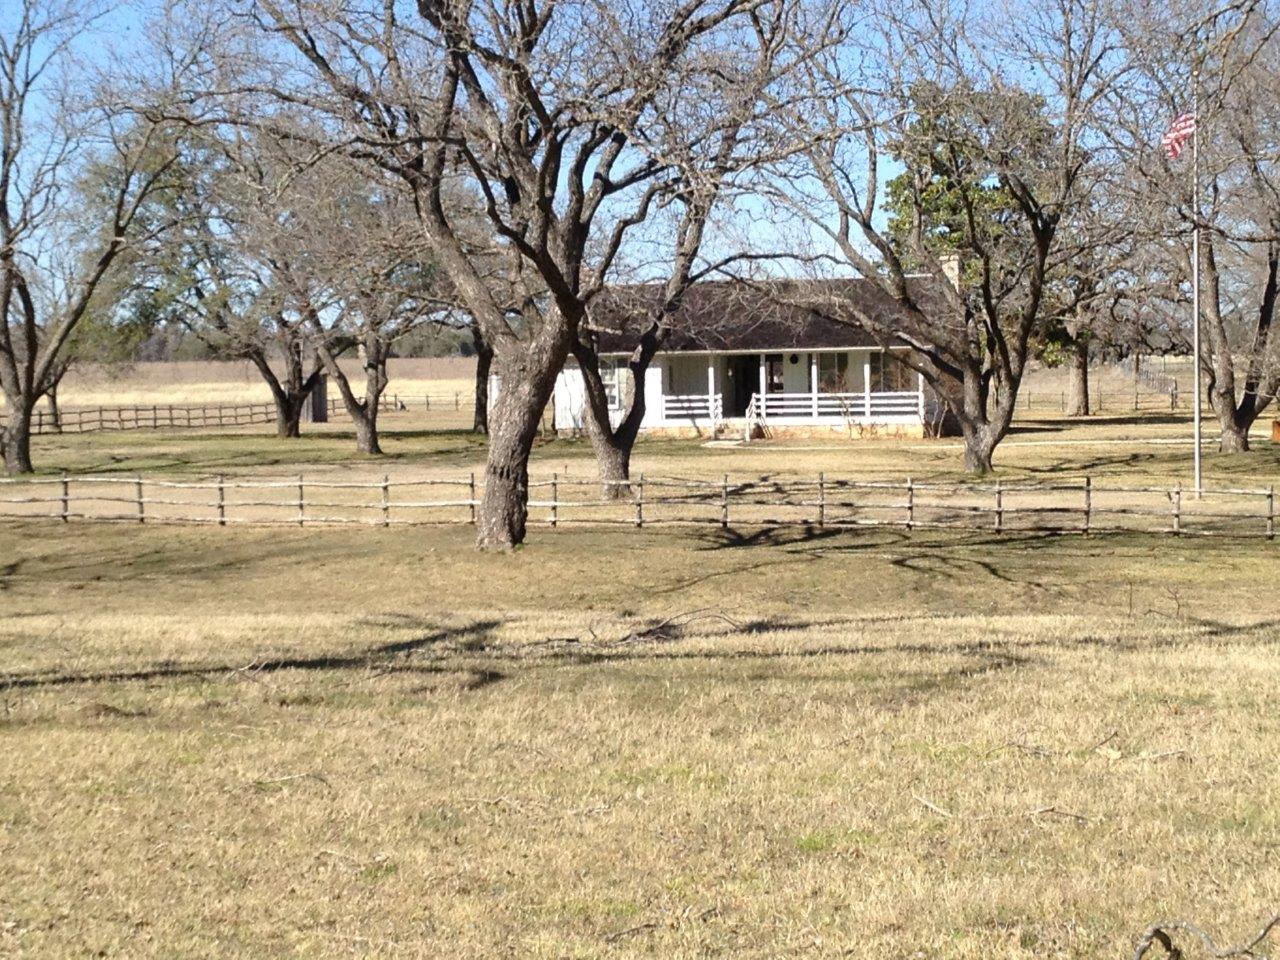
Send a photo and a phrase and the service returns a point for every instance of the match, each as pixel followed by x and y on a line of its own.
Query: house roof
pixel 735 316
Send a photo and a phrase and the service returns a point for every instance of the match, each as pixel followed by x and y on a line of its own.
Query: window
pixel 611 376
pixel 890 375
pixel 833 373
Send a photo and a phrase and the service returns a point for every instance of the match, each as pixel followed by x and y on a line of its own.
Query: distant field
pixel 239 382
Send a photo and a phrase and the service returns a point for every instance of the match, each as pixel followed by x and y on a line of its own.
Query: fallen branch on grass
pixel 932 806
pixel 1160 933
pixel 275 781
pixel 669 629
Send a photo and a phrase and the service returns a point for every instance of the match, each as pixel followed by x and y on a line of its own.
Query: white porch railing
pixel 693 407
pixel 838 406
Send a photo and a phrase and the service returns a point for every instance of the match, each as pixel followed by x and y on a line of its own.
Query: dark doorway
pixel 742 375
pixel 773 365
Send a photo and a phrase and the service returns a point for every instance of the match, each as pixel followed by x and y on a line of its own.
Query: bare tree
pixel 990 116
pixel 1232 47
pixel 239 269
pixel 551 114
pixel 729 133
pixel 381 281
pixel 56 248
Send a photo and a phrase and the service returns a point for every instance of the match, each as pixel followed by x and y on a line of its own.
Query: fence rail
pixel 1102 401
pixel 167 416
pixel 848 406
pixel 1076 507
pixel 150 417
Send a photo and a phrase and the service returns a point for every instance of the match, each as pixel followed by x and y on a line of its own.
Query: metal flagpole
pixel 1195 272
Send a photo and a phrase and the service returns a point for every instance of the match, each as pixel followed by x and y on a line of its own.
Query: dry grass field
pixel 666 744
pixel 238 382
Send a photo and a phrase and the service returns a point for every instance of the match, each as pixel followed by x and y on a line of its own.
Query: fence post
pixel 137 485
pixel 1176 499
pixel 66 498
pixel 386 500
pixel 457 401
pixel 222 500
pixel 1271 512
pixel 822 499
pixel 555 498
pixel 999 507
pixel 1088 504
pixel 171 423
pixel 155 416
pixel 302 503
pixel 471 496
pixel 640 502
pixel 911 504
pixel 724 502
pixel 39 422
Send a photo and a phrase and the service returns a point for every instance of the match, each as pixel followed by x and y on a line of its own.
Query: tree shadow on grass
pixel 388 657
pixel 477 651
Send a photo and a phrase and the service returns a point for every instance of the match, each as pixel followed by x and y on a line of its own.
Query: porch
pixel 799 388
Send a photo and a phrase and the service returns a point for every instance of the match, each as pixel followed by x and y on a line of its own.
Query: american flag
pixel 1180 131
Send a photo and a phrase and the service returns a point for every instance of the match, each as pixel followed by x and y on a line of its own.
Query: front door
pixel 773 376
pixel 743 379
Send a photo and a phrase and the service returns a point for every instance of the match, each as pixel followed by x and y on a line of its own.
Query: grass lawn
pixel 1111 448
pixel 378 743
pixel 752 743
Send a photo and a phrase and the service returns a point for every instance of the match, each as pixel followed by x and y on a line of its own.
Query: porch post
pixel 866 383
pixel 711 390
pixel 764 406
pixel 920 394
pixel 813 381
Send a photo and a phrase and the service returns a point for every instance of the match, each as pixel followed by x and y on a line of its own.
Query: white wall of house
pixel 570 395
pixel 570 399
pixel 701 375
pixel 795 376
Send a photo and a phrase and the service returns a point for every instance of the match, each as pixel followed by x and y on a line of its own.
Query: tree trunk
pixel 484 363
pixel 366 422
pixel 504 507
pixel 613 445
pixel 289 415
pixel 613 458
pixel 1078 395
pixel 1235 424
pixel 527 381
pixel 978 450
pixel 291 393
pixel 17 441
pixel 55 413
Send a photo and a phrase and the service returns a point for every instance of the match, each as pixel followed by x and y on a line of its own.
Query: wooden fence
pixel 821 502
pixel 456 400
pixel 1104 401
pixel 151 417
pixel 179 415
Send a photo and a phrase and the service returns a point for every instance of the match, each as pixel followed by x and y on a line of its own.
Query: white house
pixel 743 366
